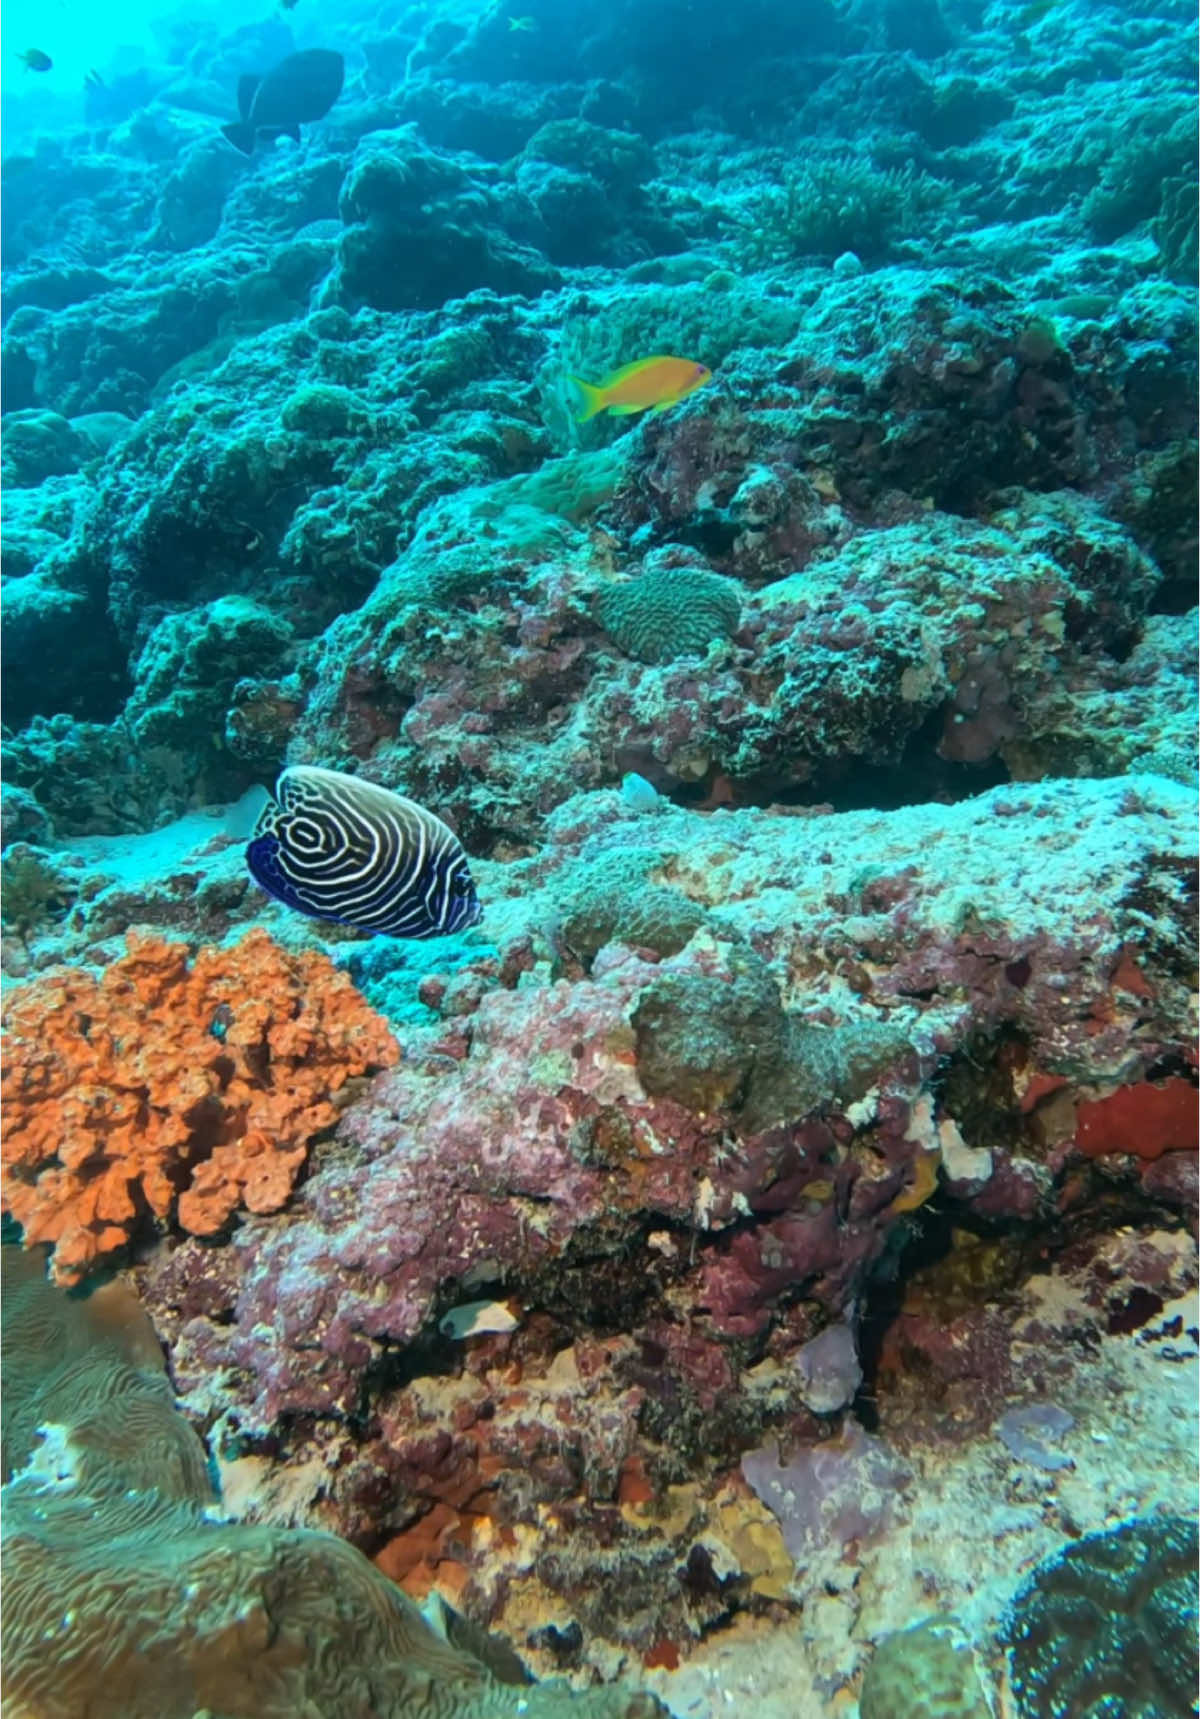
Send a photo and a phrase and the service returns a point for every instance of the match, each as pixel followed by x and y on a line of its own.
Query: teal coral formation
pixel 1110 1622
pixel 830 206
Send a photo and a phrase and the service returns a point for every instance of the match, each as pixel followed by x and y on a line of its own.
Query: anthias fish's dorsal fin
pixel 247 85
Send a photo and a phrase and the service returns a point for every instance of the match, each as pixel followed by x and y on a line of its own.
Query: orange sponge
pixel 185 1090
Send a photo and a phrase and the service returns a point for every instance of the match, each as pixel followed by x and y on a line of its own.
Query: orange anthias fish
pixel 652 384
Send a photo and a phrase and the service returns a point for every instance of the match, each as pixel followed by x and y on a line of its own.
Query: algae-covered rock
pixel 190 663
pixel 702 1035
pixel 613 901
pixel 421 230
pixel 102 430
pixel 39 445
pixel 60 651
pixel 322 409
pixel 926 1672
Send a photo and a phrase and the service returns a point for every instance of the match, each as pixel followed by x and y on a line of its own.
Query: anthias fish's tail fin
pixel 241 136
pixel 592 399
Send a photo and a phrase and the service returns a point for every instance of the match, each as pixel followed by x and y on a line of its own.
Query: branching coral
pixel 1152 152
pixel 31 888
pixel 181 1090
pixel 834 204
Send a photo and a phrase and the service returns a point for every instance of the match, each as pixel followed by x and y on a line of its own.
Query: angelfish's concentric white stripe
pixel 340 848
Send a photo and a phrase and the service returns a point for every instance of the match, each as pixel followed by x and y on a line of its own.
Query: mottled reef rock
pixel 872 1007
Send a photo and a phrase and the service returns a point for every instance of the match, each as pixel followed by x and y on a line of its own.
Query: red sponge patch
pixel 1146 1119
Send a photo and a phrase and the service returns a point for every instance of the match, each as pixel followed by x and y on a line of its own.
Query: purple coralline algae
pixel 829 1493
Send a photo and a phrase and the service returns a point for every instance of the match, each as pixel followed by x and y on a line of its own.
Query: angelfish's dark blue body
pixel 338 848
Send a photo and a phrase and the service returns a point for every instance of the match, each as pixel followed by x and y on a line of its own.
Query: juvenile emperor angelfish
pixel 336 847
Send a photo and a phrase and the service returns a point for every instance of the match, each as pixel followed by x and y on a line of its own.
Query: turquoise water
pixel 599 859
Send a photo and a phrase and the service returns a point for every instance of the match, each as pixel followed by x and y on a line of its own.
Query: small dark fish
pixel 336 847
pixel 36 60
pixel 298 90
pixel 93 81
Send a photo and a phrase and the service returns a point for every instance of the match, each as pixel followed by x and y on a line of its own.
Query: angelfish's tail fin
pixel 241 136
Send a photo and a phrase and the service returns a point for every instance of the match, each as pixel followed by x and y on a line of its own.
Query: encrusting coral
pixel 127 1594
pixel 184 1089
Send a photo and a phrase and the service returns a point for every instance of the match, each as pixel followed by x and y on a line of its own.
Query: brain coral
pixel 612 900
pixel 185 1090
pixel 701 1036
pixel 669 612
pixel 128 1596
pixel 1108 1625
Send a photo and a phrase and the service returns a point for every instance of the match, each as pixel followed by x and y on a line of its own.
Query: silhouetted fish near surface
pixel 336 847
pixel 298 90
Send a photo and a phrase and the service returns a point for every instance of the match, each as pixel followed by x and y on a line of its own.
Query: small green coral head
pixel 669 610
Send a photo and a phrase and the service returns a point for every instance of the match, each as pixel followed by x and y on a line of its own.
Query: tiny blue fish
pixel 336 847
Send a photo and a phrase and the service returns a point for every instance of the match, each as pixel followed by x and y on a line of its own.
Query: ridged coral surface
pixel 183 1088
pixel 667 612
pixel 158 1605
